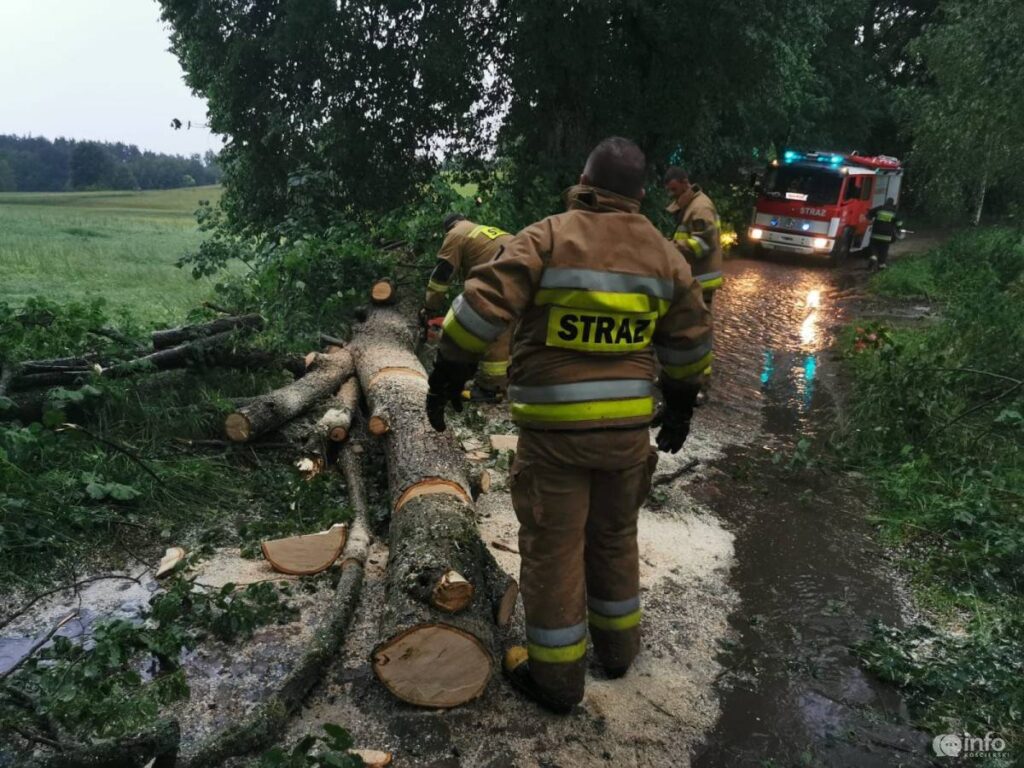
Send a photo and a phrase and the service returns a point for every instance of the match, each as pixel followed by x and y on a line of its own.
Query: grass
pixel 936 421
pixel 118 245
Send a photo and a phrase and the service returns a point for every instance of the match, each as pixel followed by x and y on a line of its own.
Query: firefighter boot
pixel 516 667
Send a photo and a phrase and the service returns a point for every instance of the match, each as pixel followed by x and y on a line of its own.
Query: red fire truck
pixel 818 202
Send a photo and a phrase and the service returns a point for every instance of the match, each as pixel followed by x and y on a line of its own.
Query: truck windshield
pixel 811 185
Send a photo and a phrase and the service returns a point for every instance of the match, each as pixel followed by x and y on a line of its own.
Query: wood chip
pixel 170 561
pixel 373 758
pixel 504 547
pixel 504 442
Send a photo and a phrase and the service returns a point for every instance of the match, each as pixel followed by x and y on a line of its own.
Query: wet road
pixel 809 576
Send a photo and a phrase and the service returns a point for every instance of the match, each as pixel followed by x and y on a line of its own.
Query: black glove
pixel 446 382
pixel 675 424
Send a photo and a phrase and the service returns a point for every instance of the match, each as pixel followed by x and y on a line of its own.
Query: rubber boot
pixel 516 668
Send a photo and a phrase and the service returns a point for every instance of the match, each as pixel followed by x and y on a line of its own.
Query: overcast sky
pixel 95 69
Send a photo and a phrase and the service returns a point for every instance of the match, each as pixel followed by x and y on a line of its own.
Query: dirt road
pixel 757 575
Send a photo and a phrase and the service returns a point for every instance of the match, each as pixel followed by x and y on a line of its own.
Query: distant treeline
pixel 31 164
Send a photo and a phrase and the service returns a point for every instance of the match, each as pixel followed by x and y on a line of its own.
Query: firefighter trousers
pixel 493 371
pixel 577 496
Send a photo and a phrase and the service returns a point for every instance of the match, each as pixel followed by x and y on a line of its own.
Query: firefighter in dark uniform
pixel 885 227
pixel 596 294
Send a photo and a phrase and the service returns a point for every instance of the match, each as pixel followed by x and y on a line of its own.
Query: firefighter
pixel 885 226
pixel 596 292
pixel 466 245
pixel 697 230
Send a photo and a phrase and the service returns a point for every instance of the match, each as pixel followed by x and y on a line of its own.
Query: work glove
pixel 445 386
pixel 675 421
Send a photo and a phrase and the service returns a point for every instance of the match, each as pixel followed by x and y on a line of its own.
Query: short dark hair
pixel 675 173
pixel 451 219
pixel 618 165
pixel 890 201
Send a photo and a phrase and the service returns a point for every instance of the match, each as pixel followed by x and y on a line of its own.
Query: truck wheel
pixel 841 250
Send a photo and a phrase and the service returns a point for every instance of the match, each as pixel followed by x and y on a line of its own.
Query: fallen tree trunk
pixel 211 351
pixel 172 337
pixel 335 424
pixel 438 639
pixel 156 747
pixel 266 412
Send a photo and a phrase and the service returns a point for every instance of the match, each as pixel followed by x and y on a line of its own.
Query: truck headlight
pixel 821 243
pixel 756 234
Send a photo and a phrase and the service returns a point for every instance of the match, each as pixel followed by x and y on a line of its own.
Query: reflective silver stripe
pixel 703 243
pixel 554 638
pixel 614 282
pixel 708 276
pixel 674 356
pixel 581 391
pixel 472 322
pixel 612 608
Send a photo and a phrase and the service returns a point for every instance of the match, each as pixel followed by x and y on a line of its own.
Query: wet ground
pixel 810 578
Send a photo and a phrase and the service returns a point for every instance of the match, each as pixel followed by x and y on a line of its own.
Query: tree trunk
pixel 266 412
pixel 336 423
pixel 427 655
pixel 158 744
pixel 982 191
pixel 172 337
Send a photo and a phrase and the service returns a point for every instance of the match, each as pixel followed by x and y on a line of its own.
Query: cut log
pixel 502 589
pixel 336 422
pixel 305 555
pixel 452 593
pixel 383 292
pixel 172 337
pixel 269 411
pixel 170 561
pixel 379 423
pixel 427 655
pixel 479 481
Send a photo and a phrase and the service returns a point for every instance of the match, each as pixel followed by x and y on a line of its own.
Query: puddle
pixel 809 575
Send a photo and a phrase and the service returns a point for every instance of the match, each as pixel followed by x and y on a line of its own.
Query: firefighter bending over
pixel 465 246
pixel 885 227
pixel 596 292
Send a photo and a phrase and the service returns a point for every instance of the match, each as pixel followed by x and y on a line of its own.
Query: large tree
pixel 339 103
pixel 91 166
pixel 968 122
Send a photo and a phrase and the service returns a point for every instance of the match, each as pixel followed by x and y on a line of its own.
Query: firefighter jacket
pixel 596 291
pixel 465 246
pixel 886 223
pixel 697 236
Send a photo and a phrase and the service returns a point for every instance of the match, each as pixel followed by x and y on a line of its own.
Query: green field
pixel 118 245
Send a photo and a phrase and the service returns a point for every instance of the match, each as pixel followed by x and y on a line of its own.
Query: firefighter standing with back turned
pixel 886 225
pixel 466 245
pixel 596 291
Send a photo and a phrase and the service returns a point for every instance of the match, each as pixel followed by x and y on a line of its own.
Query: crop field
pixel 121 246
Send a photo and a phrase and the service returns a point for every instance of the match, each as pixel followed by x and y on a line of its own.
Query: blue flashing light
pixel 789 155
pixel 805 226
pixel 837 159
pixel 774 222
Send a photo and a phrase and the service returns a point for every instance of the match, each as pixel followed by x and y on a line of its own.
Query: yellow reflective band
pixel 686 371
pixel 614 623
pixel 494 367
pixel 437 287
pixel 565 654
pixel 713 284
pixel 602 301
pixel 491 233
pixel 463 338
pixel 599 331
pixel 594 410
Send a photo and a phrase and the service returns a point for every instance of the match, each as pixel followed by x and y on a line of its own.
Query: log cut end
pixel 238 427
pixel 383 292
pixel 433 665
pixel 338 435
pixel 452 592
pixel 378 424
pixel 303 555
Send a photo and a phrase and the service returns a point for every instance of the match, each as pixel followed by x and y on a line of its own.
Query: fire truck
pixel 818 202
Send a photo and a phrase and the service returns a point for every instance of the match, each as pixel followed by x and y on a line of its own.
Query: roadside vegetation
pixel 937 421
